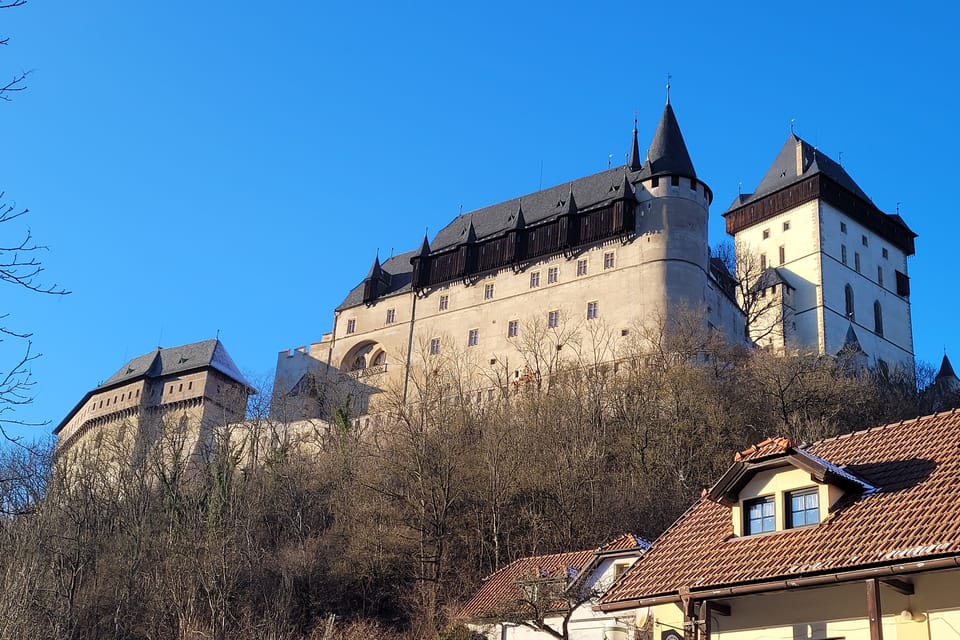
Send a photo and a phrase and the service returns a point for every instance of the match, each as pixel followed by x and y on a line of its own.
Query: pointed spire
pixel 471 233
pixel 425 246
pixel 375 270
pixel 634 163
pixel 626 189
pixel 668 152
pixel 571 203
pixel 946 369
pixel 519 222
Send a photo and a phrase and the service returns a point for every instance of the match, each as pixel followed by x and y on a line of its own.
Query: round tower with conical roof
pixel 672 224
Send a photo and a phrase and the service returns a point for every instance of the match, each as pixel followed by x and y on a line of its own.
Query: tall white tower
pixel 844 259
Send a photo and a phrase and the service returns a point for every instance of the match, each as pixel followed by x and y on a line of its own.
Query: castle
pixel 601 254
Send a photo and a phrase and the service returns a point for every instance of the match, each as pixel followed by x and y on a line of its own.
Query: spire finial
pixel 669 77
pixel 792 120
pixel 634 161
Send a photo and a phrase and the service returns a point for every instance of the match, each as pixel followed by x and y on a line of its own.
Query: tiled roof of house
pixel 913 512
pixel 501 591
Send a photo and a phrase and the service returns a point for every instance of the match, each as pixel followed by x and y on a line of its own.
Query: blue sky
pixel 234 167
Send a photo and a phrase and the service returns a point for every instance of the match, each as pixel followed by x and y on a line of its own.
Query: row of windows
pixel 786 227
pixel 553 276
pixel 674 182
pixel 802 509
pixel 851 311
pixel 513 327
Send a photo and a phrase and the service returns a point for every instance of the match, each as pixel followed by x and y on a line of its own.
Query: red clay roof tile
pixel 914 513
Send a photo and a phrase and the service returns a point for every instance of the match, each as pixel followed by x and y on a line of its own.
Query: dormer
pixel 776 486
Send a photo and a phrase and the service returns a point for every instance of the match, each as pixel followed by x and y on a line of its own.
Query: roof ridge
pixel 881 427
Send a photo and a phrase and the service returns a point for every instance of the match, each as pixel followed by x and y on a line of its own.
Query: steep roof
pixel 668 154
pixel 946 370
pixel 187 357
pixel 912 511
pixel 399 274
pixel 785 171
pixel 501 591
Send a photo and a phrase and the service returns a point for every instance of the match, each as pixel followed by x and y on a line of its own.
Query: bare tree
pixel 760 292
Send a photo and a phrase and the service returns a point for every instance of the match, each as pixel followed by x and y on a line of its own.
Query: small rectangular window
pixel 803 508
pixel 786 225
pixel 864 240
pixel 444 302
pixel 619 569
pixel 674 181
pixel 534 279
pixel 856 261
pixel 880 276
pixel 655 182
pixel 553 318
pixel 351 325
pixel 693 184
pixel 434 346
pixel 783 254
pixel 766 233
pixel 763 261
pixel 488 292
pixel 553 275
pixel 473 337
pixel 391 316
pixel 581 267
pixel 843 253
pixel 593 310
pixel 903 284
pixel 513 328
pixel 608 260
pixel 843 227
pixel 759 516
pixel 884 253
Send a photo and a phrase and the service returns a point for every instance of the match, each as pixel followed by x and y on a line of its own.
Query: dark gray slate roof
pixel 946 369
pixel 539 206
pixel 769 278
pixel 163 362
pixel 667 154
pixel 401 275
pixel 783 171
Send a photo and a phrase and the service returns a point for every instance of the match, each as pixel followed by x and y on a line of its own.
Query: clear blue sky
pixel 235 166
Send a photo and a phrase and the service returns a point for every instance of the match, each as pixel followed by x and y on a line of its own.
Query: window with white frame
pixel 444 302
pixel 608 260
pixel 553 319
pixel 488 291
pixel 434 346
pixel 534 279
pixel 582 267
pixel 513 328
pixel 553 275
pixel 391 316
pixel 351 325
pixel 593 310
pixel 473 337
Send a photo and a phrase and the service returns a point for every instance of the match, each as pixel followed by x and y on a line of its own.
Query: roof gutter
pixel 783 585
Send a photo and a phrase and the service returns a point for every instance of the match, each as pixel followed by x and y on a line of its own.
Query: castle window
pixel 786 225
pixel 581 267
pixel 903 284
pixel 488 291
pixel 171 391
pixel 351 325
pixel 760 516
pixel 380 358
pixel 434 346
pixel 877 318
pixel 181 387
pixel 843 227
pixel 534 279
pixel 513 328
pixel 783 254
pixel 880 276
pixel 608 260
pixel 189 386
pixel 766 233
pixel 884 253
pixel 593 310
pixel 391 316
pixel 674 181
pixel 763 261
pixel 444 302
pixel 804 508
pixel 553 318
pixel 843 253
pixel 856 261
pixel 848 296
pixel 693 184
pixel 864 240
pixel 553 275
pixel 473 337
pixel 655 182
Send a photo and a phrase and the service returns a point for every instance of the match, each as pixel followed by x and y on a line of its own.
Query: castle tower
pixel 672 224
pixel 846 259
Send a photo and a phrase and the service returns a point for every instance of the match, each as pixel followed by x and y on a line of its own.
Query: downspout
pixel 406 369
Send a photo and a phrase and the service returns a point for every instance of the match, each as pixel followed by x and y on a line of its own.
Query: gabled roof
pixel 770 277
pixel 911 513
pixel 501 592
pixel 396 273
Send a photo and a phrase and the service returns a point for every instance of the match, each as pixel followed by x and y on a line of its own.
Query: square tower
pixel 842 261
